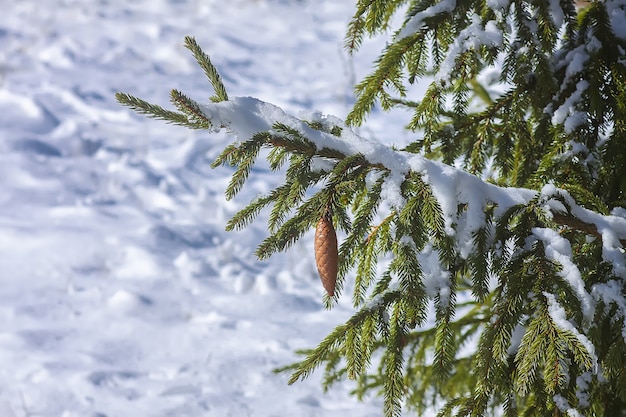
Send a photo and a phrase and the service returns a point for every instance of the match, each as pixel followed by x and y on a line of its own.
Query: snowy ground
pixel 121 294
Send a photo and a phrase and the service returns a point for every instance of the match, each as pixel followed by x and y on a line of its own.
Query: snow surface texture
pixel 121 294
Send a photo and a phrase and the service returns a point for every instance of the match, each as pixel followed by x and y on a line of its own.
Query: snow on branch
pixel 559 316
pixel 559 249
pixel 610 229
pixel 416 23
pixel 471 38
pixel 246 116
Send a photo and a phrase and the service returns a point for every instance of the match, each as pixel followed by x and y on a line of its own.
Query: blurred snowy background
pixel 120 292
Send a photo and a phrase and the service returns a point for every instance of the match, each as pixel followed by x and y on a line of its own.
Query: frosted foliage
pixel 559 317
pixel 612 228
pixel 558 249
pixel 611 294
pixel 416 23
pixel 576 60
pixel 445 191
pixel 321 164
pixel 245 116
pixel 390 190
pixel 617 13
pixel 436 280
pixel 472 219
pixel 573 149
pixel 377 301
pixel 567 113
pixel 452 187
pixel 256 118
pixel 470 38
pixel 552 206
pixel 612 251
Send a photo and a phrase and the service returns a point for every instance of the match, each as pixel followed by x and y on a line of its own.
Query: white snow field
pixel 120 292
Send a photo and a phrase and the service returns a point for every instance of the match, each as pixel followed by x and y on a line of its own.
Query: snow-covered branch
pixel 538 268
pixel 245 116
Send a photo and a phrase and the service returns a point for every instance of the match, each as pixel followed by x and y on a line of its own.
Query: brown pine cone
pixel 326 253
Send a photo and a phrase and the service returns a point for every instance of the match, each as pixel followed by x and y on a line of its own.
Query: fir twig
pixel 209 69
pixel 197 119
pixel 152 110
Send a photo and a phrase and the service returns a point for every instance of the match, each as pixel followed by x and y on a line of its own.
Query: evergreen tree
pixel 488 255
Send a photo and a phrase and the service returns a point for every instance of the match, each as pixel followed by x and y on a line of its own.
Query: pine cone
pixel 326 253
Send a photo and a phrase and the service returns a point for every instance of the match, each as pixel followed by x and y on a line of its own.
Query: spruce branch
pixel 152 110
pixel 570 221
pixel 244 158
pixel 336 337
pixel 209 69
pixel 191 109
pixel 393 386
pixel 504 246
pixel 190 115
pixel 245 216
pixel 373 86
pixel 351 250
